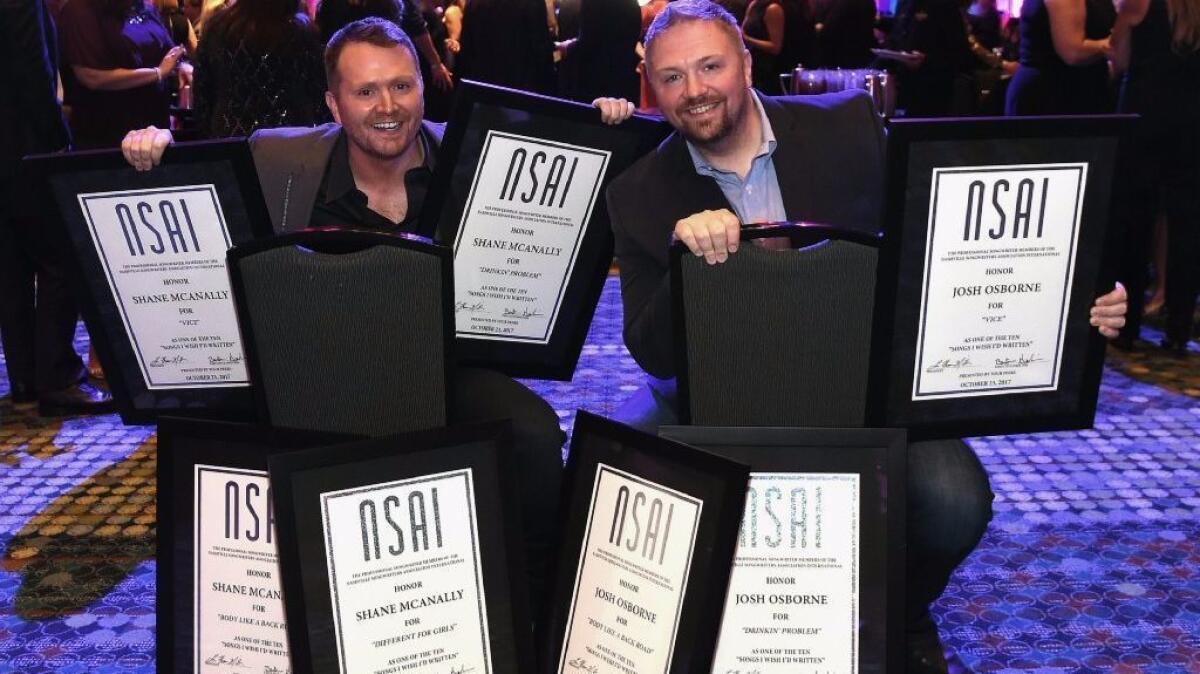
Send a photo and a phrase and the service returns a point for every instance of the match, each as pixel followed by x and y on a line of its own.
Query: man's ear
pixel 747 68
pixel 331 103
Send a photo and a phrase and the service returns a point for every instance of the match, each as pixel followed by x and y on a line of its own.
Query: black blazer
pixel 31 118
pixel 830 165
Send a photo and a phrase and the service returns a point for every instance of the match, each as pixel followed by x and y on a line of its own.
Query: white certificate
pixel 792 604
pixel 404 576
pixel 999 266
pixel 239 620
pixel 632 576
pixel 526 215
pixel 163 253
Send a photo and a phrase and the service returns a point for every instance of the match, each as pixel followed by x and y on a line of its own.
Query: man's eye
pixel 401 86
pixel 671 78
pixel 363 92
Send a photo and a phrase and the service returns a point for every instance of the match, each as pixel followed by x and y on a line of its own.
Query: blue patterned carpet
pixel 1092 563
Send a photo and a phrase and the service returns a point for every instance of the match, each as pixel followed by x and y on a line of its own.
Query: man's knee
pixel 949 497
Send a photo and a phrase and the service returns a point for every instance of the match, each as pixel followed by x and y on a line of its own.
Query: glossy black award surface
pixel 484 118
pixel 616 557
pixel 923 154
pixel 877 459
pixel 225 170
pixel 186 449
pixel 304 483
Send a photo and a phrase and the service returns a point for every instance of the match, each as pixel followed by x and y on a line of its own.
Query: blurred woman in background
pixel 1156 46
pixel 120 57
pixel 259 65
pixel 1063 66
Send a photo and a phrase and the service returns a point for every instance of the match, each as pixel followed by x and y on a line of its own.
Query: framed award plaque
pixel 650 532
pixel 404 554
pixel 818 580
pixel 149 251
pixel 519 194
pixel 219 599
pixel 994 253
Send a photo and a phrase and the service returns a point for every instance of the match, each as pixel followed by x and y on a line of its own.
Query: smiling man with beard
pixel 370 170
pixel 737 157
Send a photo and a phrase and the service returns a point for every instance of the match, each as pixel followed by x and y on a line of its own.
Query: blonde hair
pixel 209 8
pixel 1184 16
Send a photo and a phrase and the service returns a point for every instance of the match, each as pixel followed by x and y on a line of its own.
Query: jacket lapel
pixel 699 192
pixel 789 155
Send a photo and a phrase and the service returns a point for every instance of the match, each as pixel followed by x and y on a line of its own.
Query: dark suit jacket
pixel 291 161
pixel 830 165
pixel 31 118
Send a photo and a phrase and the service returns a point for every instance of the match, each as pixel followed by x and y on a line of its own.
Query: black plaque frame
pixel 719 482
pixel 915 148
pixel 299 478
pixel 878 456
pixel 182 444
pixel 228 166
pixel 480 108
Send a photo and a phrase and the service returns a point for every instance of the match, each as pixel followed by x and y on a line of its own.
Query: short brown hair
pixel 371 30
pixel 691 10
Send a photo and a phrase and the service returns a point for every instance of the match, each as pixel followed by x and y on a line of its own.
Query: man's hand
pixel 713 234
pixel 1108 313
pixel 442 77
pixel 143 148
pixel 614 110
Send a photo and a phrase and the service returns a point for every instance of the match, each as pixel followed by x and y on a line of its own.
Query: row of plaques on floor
pixel 705 549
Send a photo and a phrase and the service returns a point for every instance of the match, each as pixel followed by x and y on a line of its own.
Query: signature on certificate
pixel 580 663
pixel 272 669
pixel 943 364
pixel 468 307
pixel 1019 361
pixel 228 359
pixel 522 313
pixel 221 660
pixel 163 361
pixel 461 670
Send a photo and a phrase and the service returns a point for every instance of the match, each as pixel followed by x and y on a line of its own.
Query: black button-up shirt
pixel 341 204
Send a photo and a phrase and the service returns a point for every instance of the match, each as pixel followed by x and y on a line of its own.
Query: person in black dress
pixel 764 32
pixel 1156 43
pixel 121 57
pixel 844 33
pixel 259 66
pixel 1064 47
pixel 333 15
pixel 507 42
pixel 603 59
pixel 37 311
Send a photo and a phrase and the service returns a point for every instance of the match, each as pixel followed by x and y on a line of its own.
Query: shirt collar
pixel 765 149
pixel 340 180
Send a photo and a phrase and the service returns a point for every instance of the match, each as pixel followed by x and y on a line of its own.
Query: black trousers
pixel 37 309
pixel 485 395
pixel 1164 173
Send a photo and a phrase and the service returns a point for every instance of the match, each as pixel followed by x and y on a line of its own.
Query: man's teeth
pixel 387 126
pixel 701 109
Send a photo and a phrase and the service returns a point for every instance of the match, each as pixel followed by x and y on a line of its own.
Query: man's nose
pixel 387 101
pixel 693 86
